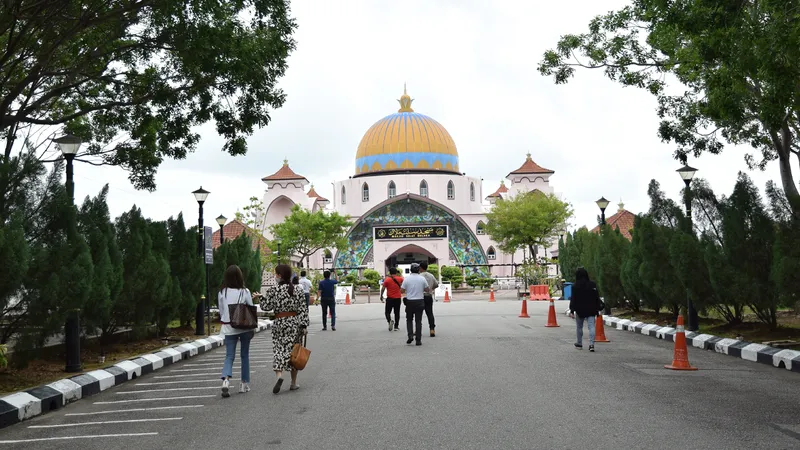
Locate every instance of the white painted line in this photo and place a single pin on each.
(157, 399)
(260, 361)
(115, 411)
(78, 437)
(206, 368)
(167, 390)
(218, 380)
(64, 425)
(196, 375)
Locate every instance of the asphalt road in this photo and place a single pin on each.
(488, 380)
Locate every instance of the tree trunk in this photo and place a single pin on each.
(785, 167)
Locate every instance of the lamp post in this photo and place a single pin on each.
(221, 222)
(69, 146)
(200, 195)
(278, 240)
(687, 174)
(602, 204)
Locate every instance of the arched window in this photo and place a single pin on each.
(328, 256)
(479, 228)
(423, 188)
(392, 189)
(491, 254)
(472, 192)
(365, 193)
(344, 196)
(451, 190)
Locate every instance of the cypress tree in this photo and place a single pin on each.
(186, 266)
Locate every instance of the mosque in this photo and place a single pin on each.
(408, 201)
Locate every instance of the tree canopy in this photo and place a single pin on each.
(133, 78)
(738, 62)
(304, 232)
(526, 220)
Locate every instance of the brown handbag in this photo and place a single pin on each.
(300, 354)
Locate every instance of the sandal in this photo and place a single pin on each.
(277, 387)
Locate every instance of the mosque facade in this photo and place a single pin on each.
(408, 201)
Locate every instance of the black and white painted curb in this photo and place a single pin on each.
(40, 400)
(765, 354)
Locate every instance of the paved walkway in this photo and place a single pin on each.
(488, 380)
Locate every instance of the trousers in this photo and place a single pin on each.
(393, 304)
(429, 312)
(328, 302)
(414, 309)
(591, 321)
(230, 354)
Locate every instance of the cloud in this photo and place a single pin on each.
(471, 65)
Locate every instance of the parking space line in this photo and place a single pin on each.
(158, 383)
(195, 375)
(206, 368)
(217, 364)
(144, 391)
(157, 399)
(155, 408)
(105, 422)
(78, 437)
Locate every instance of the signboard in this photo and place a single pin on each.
(444, 287)
(342, 290)
(423, 232)
(209, 250)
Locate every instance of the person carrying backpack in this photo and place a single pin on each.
(391, 285)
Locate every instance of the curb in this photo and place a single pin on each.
(765, 354)
(23, 405)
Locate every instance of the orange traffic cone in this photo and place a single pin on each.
(600, 331)
(347, 298)
(551, 315)
(524, 312)
(491, 295)
(680, 360)
(446, 296)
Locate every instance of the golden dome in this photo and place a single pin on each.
(407, 142)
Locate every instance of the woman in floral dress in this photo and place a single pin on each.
(291, 321)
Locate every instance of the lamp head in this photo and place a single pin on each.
(201, 195)
(687, 173)
(221, 220)
(68, 144)
(602, 203)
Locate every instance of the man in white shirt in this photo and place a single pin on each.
(306, 284)
(415, 287)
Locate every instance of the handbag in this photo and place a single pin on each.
(242, 315)
(299, 357)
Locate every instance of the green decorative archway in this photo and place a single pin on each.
(412, 209)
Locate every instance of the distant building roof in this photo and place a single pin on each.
(530, 167)
(622, 220)
(313, 194)
(501, 190)
(234, 229)
(284, 173)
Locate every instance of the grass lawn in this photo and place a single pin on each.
(49, 365)
(751, 330)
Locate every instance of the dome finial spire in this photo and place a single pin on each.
(405, 101)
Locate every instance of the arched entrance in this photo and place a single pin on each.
(409, 254)
(448, 238)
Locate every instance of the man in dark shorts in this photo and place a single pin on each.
(391, 285)
(327, 299)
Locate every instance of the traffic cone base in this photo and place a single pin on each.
(446, 296)
(491, 296)
(347, 298)
(551, 316)
(680, 359)
(600, 331)
(524, 313)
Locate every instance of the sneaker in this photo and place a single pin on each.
(333, 328)
(419, 343)
(294, 387)
(591, 348)
(578, 346)
(244, 387)
(324, 328)
(277, 387)
(433, 333)
(410, 340)
(391, 325)
(396, 329)
(225, 388)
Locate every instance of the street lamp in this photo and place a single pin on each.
(278, 240)
(69, 146)
(602, 204)
(221, 222)
(687, 174)
(201, 195)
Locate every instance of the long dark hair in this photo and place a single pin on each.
(582, 277)
(233, 278)
(285, 272)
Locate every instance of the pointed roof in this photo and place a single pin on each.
(313, 194)
(284, 173)
(530, 167)
(234, 229)
(501, 190)
(622, 220)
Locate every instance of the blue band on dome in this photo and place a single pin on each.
(413, 157)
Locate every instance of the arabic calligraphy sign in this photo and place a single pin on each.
(424, 232)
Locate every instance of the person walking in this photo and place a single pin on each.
(584, 305)
(414, 286)
(327, 296)
(232, 291)
(306, 284)
(391, 285)
(291, 323)
(433, 283)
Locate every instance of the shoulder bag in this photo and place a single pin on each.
(242, 315)
(299, 356)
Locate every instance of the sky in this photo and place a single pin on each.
(469, 64)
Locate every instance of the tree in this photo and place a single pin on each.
(739, 63)
(373, 277)
(433, 269)
(135, 78)
(612, 252)
(528, 219)
(240, 252)
(453, 275)
(166, 290)
(186, 266)
(304, 232)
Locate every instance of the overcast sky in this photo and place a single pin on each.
(469, 64)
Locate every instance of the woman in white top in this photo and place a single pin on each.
(231, 292)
